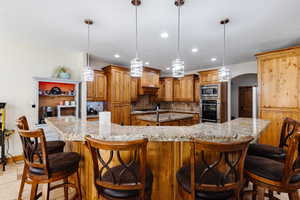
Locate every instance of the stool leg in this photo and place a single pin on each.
(46, 191)
(66, 189)
(33, 192)
(260, 193)
(294, 196)
(78, 190)
(24, 176)
(254, 193)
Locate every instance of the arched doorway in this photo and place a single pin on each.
(241, 95)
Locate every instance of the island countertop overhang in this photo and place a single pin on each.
(73, 129)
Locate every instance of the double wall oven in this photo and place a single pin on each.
(210, 101)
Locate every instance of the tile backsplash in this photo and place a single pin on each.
(148, 102)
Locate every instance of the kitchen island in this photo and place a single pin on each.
(168, 148)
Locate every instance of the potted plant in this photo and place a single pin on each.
(62, 72)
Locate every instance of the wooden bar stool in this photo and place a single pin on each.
(44, 168)
(215, 171)
(289, 127)
(51, 147)
(275, 175)
(129, 179)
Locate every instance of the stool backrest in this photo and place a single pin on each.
(289, 127)
(22, 123)
(126, 155)
(219, 166)
(34, 149)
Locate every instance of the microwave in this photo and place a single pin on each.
(210, 91)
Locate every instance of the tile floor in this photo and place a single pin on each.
(10, 181)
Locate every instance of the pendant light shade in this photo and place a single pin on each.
(178, 63)
(136, 64)
(224, 71)
(88, 72)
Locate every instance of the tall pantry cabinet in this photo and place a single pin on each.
(279, 89)
(118, 94)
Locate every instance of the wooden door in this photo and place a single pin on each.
(90, 90)
(125, 113)
(177, 90)
(197, 91)
(134, 89)
(161, 90)
(168, 96)
(245, 101)
(125, 88)
(188, 88)
(116, 86)
(100, 83)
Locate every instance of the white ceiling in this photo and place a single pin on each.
(256, 25)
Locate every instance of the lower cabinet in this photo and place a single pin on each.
(120, 113)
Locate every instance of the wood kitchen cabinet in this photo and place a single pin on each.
(209, 77)
(197, 90)
(279, 89)
(118, 94)
(133, 89)
(184, 89)
(97, 89)
(165, 92)
(149, 82)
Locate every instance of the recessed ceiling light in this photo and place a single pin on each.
(195, 50)
(147, 63)
(117, 56)
(164, 35)
(168, 68)
(213, 59)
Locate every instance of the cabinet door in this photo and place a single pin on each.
(169, 89)
(177, 90)
(125, 113)
(116, 86)
(188, 88)
(125, 88)
(134, 89)
(115, 113)
(100, 86)
(90, 90)
(161, 90)
(197, 91)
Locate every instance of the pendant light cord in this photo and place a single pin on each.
(224, 47)
(136, 33)
(178, 33)
(88, 50)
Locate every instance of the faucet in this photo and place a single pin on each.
(157, 113)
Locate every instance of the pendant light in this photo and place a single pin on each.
(224, 72)
(88, 72)
(136, 64)
(178, 63)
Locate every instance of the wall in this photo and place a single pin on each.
(243, 80)
(19, 62)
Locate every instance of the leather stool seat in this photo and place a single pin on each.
(53, 146)
(267, 168)
(126, 178)
(64, 161)
(267, 151)
(184, 179)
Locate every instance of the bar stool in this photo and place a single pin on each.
(288, 128)
(45, 169)
(130, 180)
(51, 147)
(215, 171)
(275, 175)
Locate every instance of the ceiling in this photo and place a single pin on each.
(255, 26)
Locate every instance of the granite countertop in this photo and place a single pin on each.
(137, 112)
(72, 129)
(164, 117)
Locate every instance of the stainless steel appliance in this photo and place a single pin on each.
(210, 90)
(210, 103)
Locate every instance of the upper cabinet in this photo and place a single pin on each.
(165, 92)
(197, 90)
(96, 89)
(184, 88)
(134, 89)
(119, 82)
(209, 77)
(149, 82)
(279, 89)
